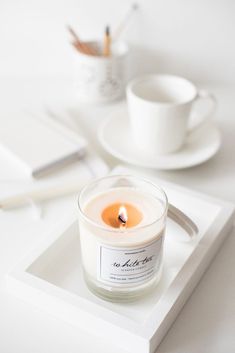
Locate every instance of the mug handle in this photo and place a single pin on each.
(204, 95)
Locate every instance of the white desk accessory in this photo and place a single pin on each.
(101, 79)
(67, 181)
(123, 23)
(38, 148)
(200, 145)
(50, 277)
(48, 192)
(162, 111)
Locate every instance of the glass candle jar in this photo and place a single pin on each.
(122, 225)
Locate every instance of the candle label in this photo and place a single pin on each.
(129, 265)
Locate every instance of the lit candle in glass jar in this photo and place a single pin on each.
(122, 223)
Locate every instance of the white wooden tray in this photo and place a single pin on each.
(51, 276)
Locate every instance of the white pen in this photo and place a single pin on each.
(42, 194)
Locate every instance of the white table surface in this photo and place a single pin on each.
(206, 323)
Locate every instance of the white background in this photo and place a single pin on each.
(194, 38)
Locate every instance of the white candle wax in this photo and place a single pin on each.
(107, 250)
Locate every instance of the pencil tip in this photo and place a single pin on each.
(135, 5)
(107, 30)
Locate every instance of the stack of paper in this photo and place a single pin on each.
(36, 147)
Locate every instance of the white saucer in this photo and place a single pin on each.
(114, 135)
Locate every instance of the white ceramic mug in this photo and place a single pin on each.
(160, 107)
(101, 79)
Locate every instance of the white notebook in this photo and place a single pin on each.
(38, 147)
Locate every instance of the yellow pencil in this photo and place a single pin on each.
(107, 42)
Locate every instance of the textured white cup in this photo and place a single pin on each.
(100, 79)
(159, 108)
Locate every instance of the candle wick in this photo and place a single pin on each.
(122, 216)
(121, 219)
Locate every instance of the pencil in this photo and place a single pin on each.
(107, 42)
(79, 45)
(125, 20)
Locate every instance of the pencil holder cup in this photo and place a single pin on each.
(101, 79)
